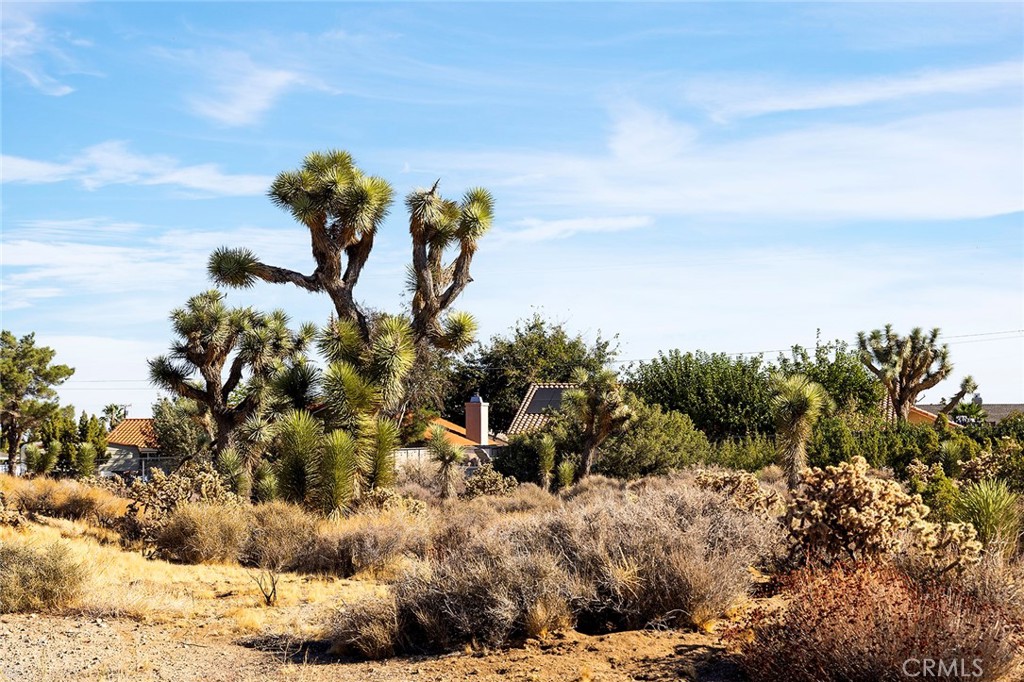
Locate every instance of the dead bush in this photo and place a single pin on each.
(203, 533)
(9, 516)
(528, 497)
(367, 629)
(455, 522)
(365, 542)
(67, 499)
(866, 624)
(676, 556)
(37, 579)
(280, 536)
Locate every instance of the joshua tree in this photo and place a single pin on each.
(448, 457)
(208, 334)
(906, 365)
(598, 405)
(968, 385)
(797, 404)
(342, 208)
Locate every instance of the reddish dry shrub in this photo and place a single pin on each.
(66, 499)
(862, 623)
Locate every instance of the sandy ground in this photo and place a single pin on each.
(45, 648)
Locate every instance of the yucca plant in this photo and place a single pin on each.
(994, 512)
(797, 404)
(448, 458)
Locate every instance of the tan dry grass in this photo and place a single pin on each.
(222, 598)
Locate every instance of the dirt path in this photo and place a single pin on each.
(49, 648)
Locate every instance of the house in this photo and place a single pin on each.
(538, 404)
(474, 438)
(994, 412)
(133, 450)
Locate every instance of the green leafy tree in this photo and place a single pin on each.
(85, 461)
(342, 208)
(91, 431)
(725, 397)
(797, 404)
(599, 408)
(448, 458)
(179, 428)
(906, 365)
(537, 350)
(27, 395)
(225, 360)
(59, 434)
(837, 368)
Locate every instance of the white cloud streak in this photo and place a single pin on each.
(113, 163)
(729, 98)
(235, 90)
(29, 49)
(956, 164)
(536, 230)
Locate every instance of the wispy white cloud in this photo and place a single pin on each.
(730, 98)
(954, 164)
(34, 52)
(235, 90)
(536, 230)
(113, 163)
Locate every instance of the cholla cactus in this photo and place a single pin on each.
(982, 468)
(742, 488)
(938, 548)
(487, 481)
(842, 512)
(153, 501)
(921, 472)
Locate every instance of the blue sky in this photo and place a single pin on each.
(730, 177)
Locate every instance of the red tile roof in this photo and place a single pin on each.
(456, 435)
(137, 432)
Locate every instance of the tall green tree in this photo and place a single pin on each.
(837, 368)
(726, 397)
(27, 395)
(598, 405)
(225, 359)
(342, 208)
(797, 403)
(181, 428)
(906, 365)
(536, 350)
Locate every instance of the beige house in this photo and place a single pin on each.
(133, 450)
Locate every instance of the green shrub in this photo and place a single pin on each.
(865, 624)
(750, 453)
(993, 510)
(203, 533)
(655, 442)
(37, 579)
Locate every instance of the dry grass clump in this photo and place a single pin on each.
(37, 579)
(489, 593)
(862, 624)
(371, 543)
(525, 498)
(280, 536)
(203, 533)
(64, 498)
(674, 555)
(665, 553)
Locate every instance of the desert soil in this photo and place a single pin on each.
(49, 648)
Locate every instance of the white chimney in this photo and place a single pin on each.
(476, 419)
